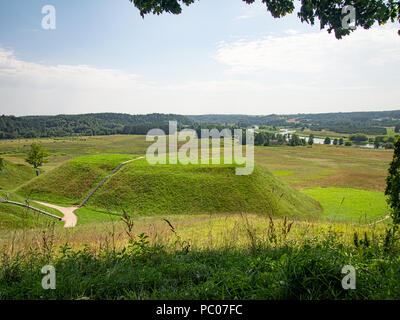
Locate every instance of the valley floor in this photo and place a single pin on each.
(205, 256)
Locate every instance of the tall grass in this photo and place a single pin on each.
(248, 258)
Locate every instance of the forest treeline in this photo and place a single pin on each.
(11, 127)
(370, 123)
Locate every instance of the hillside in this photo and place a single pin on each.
(14, 217)
(14, 175)
(168, 188)
(69, 182)
(200, 189)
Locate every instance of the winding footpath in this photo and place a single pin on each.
(376, 222)
(70, 217)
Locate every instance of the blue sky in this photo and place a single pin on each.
(219, 56)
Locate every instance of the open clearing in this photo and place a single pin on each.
(205, 248)
(326, 173)
(347, 204)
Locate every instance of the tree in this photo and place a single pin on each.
(280, 139)
(388, 145)
(397, 128)
(335, 142)
(36, 157)
(329, 13)
(348, 144)
(295, 140)
(311, 139)
(393, 184)
(377, 143)
(341, 142)
(2, 164)
(361, 138)
(327, 140)
(260, 139)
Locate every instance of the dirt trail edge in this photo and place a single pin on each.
(374, 223)
(70, 217)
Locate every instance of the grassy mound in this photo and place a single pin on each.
(13, 217)
(13, 175)
(72, 180)
(177, 189)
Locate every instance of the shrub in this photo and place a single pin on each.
(393, 183)
(358, 138)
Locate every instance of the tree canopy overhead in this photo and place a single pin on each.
(328, 12)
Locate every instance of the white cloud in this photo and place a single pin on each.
(311, 53)
(18, 72)
(33, 88)
(293, 73)
(292, 32)
(245, 17)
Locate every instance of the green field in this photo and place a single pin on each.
(347, 204)
(219, 241)
(139, 188)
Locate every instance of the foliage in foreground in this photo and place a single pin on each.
(272, 268)
(329, 13)
(393, 183)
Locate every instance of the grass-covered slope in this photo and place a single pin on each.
(14, 217)
(14, 175)
(72, 180)
(195, 189)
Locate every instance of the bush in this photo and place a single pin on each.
(393, 183)
(143, 271)
(358, 138)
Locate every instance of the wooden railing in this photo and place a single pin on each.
(29, 207)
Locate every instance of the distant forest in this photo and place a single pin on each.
(371, 123)
(11, 127)
(85, 125)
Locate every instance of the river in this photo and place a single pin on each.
(321, 141)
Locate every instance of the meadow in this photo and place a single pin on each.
(348, 182)
(202, 257)
(201, 232)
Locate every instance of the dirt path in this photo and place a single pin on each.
(69, 218)
(373, 223)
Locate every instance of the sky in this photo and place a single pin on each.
(217, 57)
